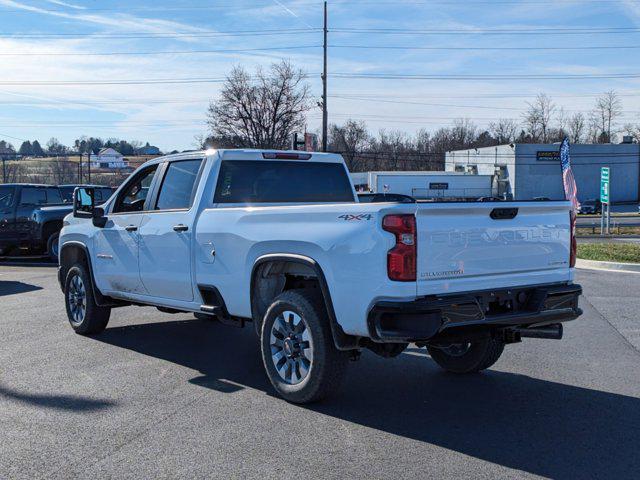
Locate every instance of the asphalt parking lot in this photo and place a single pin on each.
(169, 396)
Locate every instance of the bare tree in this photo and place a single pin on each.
(504, 130)
(593, 128)
(63, 171)
(348, 139)
(576, 127)
(608, 108)
(632, 130)
(464, 132)
(260, 111)
(537, 118)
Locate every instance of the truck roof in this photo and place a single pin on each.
(88, 185)
(28, 185)
(252, 154)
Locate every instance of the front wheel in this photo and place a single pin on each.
(467, 357)
(85, 316)
(298, 352)
(53, 247)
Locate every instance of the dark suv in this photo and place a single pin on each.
(31, 218)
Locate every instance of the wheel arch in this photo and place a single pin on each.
(49, 227)
(73, 252)
(295, 265)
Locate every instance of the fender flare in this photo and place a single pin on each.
(341, 340)
(101, 300)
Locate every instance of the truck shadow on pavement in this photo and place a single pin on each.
(12, 287)
(71, 403)
(533, 425)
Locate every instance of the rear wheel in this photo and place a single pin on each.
(467, 357)
(298, 352)
(85, 316)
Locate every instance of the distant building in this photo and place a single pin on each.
(108, 158)
(148, 150)
(526, 170)
(425, 185)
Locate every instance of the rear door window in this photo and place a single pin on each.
(33, 196)
(178, 185)
(282, 182)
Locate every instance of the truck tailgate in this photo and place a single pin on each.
(487, 245)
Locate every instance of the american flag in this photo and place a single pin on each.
(570, 189)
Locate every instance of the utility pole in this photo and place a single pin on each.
(324, 85)
(4, 170)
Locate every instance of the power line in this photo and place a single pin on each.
(485, 95)
(168, 52)
(370, 76)
(482, 107)
(203, 34)
(395, 76)
(303, 47)
(495, 31)
(394, 47)
(114, 82)
(252, 6)
(13, 138)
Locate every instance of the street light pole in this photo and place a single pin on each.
(324, 85)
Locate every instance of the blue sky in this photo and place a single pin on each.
(48, 48)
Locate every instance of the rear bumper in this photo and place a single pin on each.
(434, 317)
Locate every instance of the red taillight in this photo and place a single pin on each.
(574, 244)
(401, 259)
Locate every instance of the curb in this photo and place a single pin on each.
(613, 266)
(610, 237)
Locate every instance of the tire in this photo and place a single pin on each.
(85, 317)
(306, 366)
(52, 246)
(467, 358)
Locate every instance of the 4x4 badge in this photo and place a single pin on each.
(350, 217)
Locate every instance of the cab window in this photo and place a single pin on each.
(178, 185)
(134, 194)
(53, 195)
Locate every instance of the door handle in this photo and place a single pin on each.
(131, 228)
(180, 228)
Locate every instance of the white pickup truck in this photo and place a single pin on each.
(279, 239)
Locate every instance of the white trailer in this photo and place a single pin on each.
(426, 185)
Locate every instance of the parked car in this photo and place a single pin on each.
(385, 197)
(279, 239)
(31, 218)
(592, 206)
(102, 192)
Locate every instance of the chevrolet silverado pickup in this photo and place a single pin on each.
(279, 239)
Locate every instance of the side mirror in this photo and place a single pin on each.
(83, 202)
(98, 219)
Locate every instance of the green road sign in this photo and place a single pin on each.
(604, 184)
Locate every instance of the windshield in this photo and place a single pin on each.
(6, 196)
